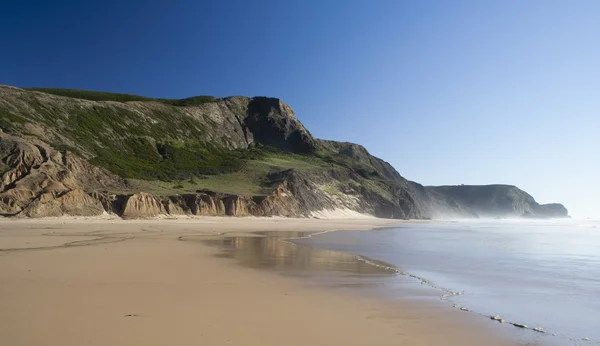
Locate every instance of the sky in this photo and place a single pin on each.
(448, 92)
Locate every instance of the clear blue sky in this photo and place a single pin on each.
(449, 92)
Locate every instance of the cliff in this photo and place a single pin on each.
(500, 201)
(71, 152)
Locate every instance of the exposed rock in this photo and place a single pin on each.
(78, 203)
(111, 203)
(272, 122)
(21, 157)
(235, 206)
(143, 205)
(208, 204)
(281, 202)
(73, 203)
(37, 174)
(497, 318)
(175, 205)
(45, 205)
(12, 201)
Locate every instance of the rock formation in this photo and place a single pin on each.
(70, 152)
(143, 205)
(73, 203)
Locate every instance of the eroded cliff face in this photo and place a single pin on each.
(73, 202)
(44, 183)
(71, 156)
(40, 181)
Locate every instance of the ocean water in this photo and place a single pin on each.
(542, 274)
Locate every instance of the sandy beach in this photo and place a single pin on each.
(115, 282)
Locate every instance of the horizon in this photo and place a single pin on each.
(448, 94)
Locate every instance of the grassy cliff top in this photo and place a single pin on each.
(115, 97)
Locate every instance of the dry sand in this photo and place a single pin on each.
(82, 282)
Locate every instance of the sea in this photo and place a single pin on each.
(539, 275)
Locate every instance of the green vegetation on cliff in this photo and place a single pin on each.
(106, 96)
(57, 140)
(171, 141)
(165, 144)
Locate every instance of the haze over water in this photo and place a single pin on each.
(539, 273)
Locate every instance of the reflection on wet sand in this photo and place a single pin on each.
(271, 250)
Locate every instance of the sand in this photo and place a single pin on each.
(81, 282)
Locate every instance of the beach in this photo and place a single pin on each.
(69, 281)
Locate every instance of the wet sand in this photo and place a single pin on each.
(157, 282)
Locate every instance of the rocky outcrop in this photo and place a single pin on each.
(281, 202)
(41, 181)
(273, 123)
(13, 201)
(45, 205)
(142, 205)
(72, 203)
(22, 158)
(112, 203)
(174, 208)
(236, 205)
(205, 203)
(79, 203)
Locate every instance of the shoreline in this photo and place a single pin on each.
(370, 261)
(149, 288)
(444, 294)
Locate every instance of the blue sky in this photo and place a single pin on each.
(449, 92)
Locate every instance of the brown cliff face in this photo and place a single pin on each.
(14, 200)
(281, 202)
(173, 208)
(72, 203)
(142, 205)
(36, 174)
(204, 204)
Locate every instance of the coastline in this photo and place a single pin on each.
(415, 287)
(73, 281)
